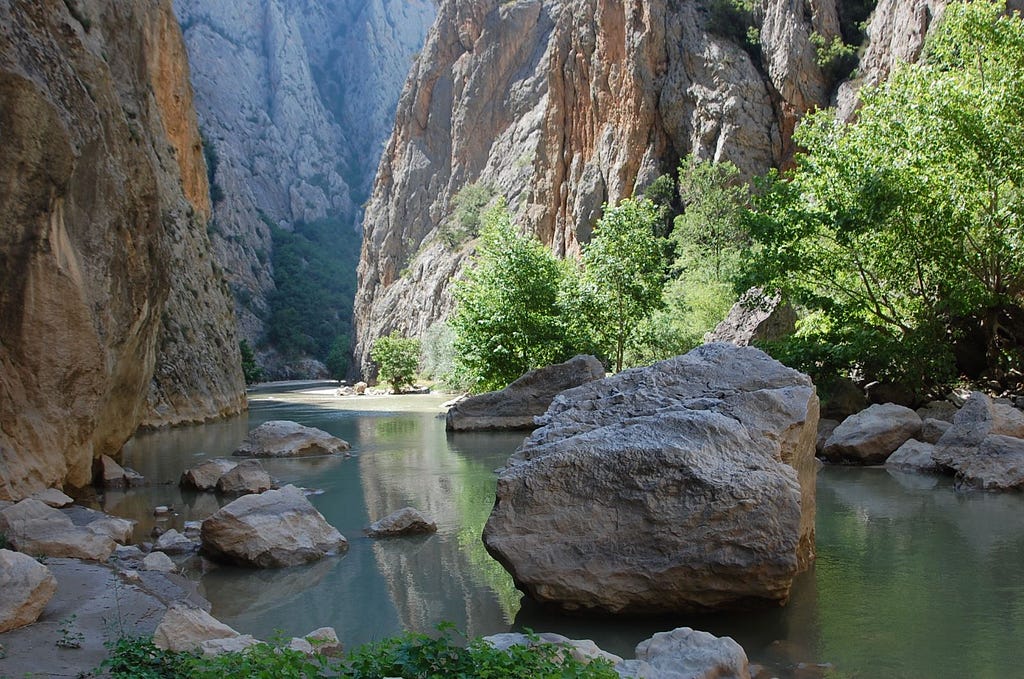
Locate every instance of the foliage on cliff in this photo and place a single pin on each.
(902, 233)
(314, 271)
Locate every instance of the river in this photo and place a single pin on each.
(912, 578)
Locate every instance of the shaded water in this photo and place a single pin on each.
(912, 579)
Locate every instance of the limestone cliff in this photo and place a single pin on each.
(295, 102)
(111, 312)
(563, 106)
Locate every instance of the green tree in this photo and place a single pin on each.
(904, 230)
(250, 369)
(397, 358)
(506, 318)
(337, 359)
(622, 277)
(710, 233)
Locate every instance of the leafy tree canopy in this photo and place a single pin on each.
(903, 230)
(507, 320)
(397, 358)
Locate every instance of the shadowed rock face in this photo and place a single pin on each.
(111, 310)
(685, 486)
(563, 106)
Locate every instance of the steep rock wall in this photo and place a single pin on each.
(103, 200)
(296, 102)
(563, 106)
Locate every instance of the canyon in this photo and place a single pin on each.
(562, 107)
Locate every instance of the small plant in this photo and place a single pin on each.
(836, 59)
(138, 658)
(468, 206)
(3, 541)
(397, 358)
(69, 636)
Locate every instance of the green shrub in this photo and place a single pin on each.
(467, 209)
(397, 358)
(250, 370)
(417, 655)
(408, 655)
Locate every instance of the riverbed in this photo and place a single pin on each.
(912, 578)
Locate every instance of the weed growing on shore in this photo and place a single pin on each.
(407, 655)
(70, 637)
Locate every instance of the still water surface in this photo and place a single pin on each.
(912, 579)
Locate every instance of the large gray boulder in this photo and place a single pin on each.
(282, 438)
(271, 530)
(755, 317)
(872, 435)
(684, 486)
(516, 406)
(36, 528)
(26, 586)
(984, 446)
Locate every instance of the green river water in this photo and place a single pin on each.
(912, 579)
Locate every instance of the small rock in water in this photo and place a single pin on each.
(406, 521)
(161, 510)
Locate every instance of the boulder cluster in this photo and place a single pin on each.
(981, 444)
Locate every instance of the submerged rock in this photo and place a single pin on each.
(204, 477)
(915, 456)
(871, 436)
(274, 529)
(26, 586)
(247, 477)
(516, 406)
(684, 486)
(406, 521)
(282, 438)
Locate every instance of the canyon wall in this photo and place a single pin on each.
(564, 106)
(112, 312)
(295, 102)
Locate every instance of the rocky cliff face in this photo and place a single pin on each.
(295, 103)
(111, 312)
(563, 106)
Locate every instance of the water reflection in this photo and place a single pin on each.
(912, 578)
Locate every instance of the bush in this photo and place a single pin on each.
(397, 358)
(250, 370)
(407, 655)
(468, 206)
